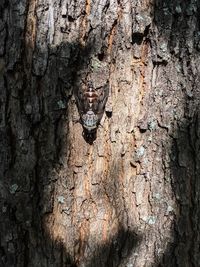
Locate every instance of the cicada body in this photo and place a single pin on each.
(91, 104)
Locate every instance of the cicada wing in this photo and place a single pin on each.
(102, 101)
(80, 101)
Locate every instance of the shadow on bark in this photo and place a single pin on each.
(173, 19)
(116, 251)
(110, 254)
(184, 168)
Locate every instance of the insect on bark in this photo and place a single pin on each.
(91, 104)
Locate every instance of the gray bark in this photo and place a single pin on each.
(132, 197)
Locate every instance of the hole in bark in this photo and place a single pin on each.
(109, 114)
(70, 18)
(101, 56)
(142, 130)
(64, 16)
(137, 38)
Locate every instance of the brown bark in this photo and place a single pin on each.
(132, 197)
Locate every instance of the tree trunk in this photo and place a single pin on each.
(131, 198)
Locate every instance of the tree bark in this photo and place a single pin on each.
(131, 198)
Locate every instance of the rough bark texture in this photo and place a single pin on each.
(132, 198)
